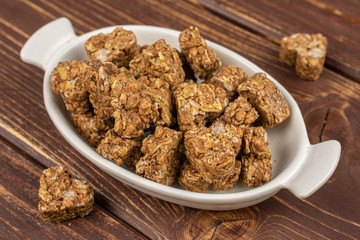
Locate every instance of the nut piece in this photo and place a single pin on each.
(92, 128)
(159, 60)
(67, 80)
(100, 78)
(120, 150)
(229, 78)
(266, 98)
(307, 52)
(256, 158)
(118, 47)
(140, 104)
(197, 104)
(160, 162)
(240, 113)
(212, 151)
(62, 197)
(199, 55)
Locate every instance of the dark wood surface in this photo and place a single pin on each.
(30, 143)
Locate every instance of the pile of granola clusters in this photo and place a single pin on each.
(170, 115)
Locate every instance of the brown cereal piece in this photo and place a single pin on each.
(256, 157)
(240, 113)
(212, 151)
(141, 104)
(307, 52)
(255, 141)
(197, 104)
(191, 179)
(118, 47)
(231, 181)
(159, 60)
(92, 128)
(62, 197)
(229, 78)
(255, 170)
(128, 124)
(120, 150)
(199, 55)
(160, 162)
(100, 78)
(66, 80)
(266, 98)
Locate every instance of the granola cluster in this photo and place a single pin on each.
(198, 104)
(198, 54)
(266, 98)
(68, 81)
(159, 60)
(229, 78)
(306, 52)
(118, 47)
(62, 197)
(136, 107)
(160, 162)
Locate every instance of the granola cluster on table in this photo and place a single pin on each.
(170, 115)
(306, 52)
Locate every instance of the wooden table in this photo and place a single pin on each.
(30, 143)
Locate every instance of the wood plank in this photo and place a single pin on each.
(19, 183)
(24, 123)
(291, 17)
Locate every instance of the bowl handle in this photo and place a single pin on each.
(41, 46)
(319, 165)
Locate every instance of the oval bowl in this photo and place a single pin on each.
(297, 165)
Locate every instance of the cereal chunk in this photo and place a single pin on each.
(99, 83)
(255, 140)
(256, 158)
(92, 128)
(212, 151)
(266, 98)
(160, 162)
(197, 104)
(229, 78)
(199, 55)
(118, 47)
(255, 171)
(231, 181)
(120, 150)
(191, 179)
(240, 113)
(62, 197)
(141, 104)
(307, 52)
(159, 60)
(67, 80)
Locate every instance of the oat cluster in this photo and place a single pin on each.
(306, 52)
(172, 116)
(63, 197)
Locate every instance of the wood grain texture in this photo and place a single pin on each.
(330, 108)
(276, 19)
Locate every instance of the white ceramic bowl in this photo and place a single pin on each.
(297, 165)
